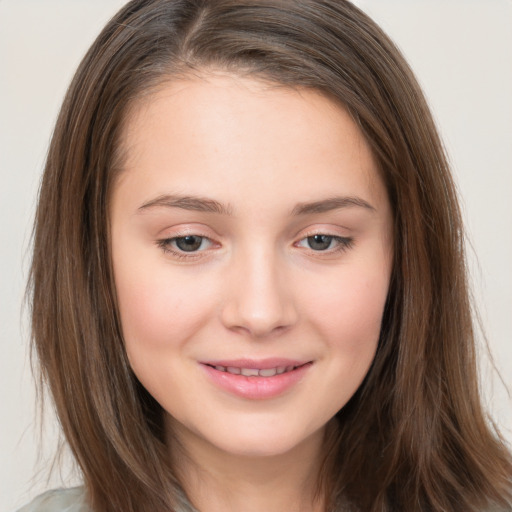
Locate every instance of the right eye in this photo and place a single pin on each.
(181, 245)
(191, 243)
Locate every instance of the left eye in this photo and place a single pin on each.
(324, 242)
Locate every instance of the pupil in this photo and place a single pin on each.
(319, 242)
(189, 243)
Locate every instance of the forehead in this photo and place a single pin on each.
(221, 128)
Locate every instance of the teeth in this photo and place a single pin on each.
(254, 372)
(249, 372)
(270, 372)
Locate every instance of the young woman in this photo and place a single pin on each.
(257, 295)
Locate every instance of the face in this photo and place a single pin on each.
(251, 246)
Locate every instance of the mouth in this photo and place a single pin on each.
(257, 380)
(257, 372)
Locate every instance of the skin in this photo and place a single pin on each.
(257, 287)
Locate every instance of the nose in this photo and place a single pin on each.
(260, 300)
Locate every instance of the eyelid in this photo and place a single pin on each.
(184, 230)
(344, 243)
(165, 242)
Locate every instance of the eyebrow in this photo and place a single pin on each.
(204, 204)
(193, 203)
(332, 203)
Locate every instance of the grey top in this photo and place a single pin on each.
(73, 500)
(59, 500)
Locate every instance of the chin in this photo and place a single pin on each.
(263, 442)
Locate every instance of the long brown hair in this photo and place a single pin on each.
(414, 436)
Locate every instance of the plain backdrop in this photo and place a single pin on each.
(461, 51)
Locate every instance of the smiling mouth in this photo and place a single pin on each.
(257, 379)
(255, 372)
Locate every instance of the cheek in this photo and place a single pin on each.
(362, 303)
(159, 309)
(349, 310)
(356, 300)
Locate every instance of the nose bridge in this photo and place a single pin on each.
(260, 299)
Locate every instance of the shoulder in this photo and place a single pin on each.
(59, 500)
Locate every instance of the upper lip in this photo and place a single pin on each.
(257, 364)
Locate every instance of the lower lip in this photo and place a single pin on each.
(256, 388)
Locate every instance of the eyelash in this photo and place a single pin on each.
(342, 244)
(166, 245)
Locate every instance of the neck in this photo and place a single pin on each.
(217, 481)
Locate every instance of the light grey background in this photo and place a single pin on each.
(461, 51)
